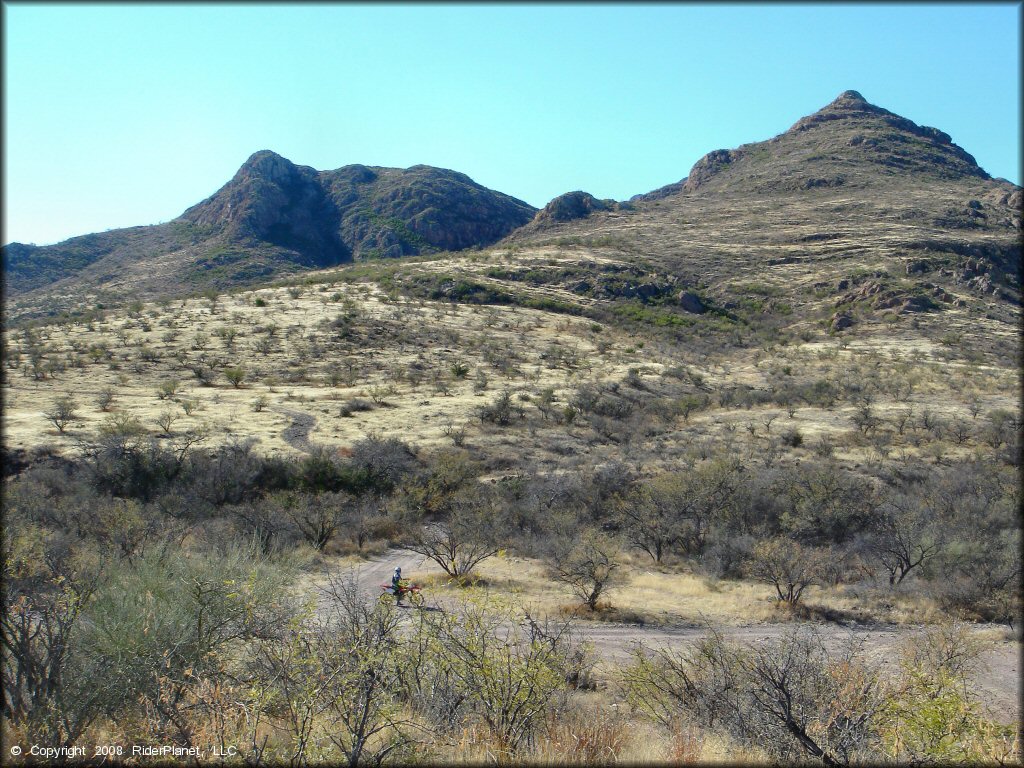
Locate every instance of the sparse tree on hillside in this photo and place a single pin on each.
(105, 398)
(236, 375)
(62, 412)
(502, 410)
(165, 420)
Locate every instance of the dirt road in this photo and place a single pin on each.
(297, 434)
(997, 685)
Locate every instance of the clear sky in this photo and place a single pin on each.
(121, 115)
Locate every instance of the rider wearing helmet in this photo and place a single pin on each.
(396, 584)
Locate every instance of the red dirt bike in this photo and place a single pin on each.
(410, 592)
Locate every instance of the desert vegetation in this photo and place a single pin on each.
(729, 473)
(192, 485)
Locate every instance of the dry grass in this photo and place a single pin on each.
(303, 378)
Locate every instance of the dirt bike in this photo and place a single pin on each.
(410, 592)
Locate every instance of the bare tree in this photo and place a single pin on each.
(588, 563)
(468, 536)
(316, 517)
(358, 654)
(791, 697)
(907, 534)
(787, 566)
(37, 627)
(62, 412)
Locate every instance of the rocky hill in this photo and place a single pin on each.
(853, 204)
(357, 211)
(271, 219)
(570, 207)
(849, 191)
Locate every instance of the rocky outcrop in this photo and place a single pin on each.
(274, 218)
(691, 302)
(660, 193)
(709, 166)
(359, 211)
(574, 205)
(270, 199)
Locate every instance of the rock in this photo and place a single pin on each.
(888, 302)
(572, 206)
(917, 266)
(690, 302)
(708, 166)
(841, 321)
(916, 304)
(648, 291)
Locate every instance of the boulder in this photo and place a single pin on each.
(648, 291)
(841, 321)
(690, 302)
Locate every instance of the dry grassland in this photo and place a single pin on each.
(300, 371)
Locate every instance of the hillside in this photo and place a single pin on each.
(853, 204)
(749, 427)
(271, 219)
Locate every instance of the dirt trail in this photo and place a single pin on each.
(997, 685)
(297, 435)
(378, 570)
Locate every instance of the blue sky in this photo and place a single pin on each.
(121, 115)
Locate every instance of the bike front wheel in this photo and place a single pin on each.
(416, 599)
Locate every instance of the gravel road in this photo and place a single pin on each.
(997, 686)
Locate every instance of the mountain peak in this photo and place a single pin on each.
(269, 165)
(848, 104)
(847, 142)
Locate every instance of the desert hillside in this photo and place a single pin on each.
(658, 469)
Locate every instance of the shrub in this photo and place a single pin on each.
(160, 626)
(502, 410)
(355, 405)
(787, 566)
(493, 667)
(793, 438)
(62, 412)
(235, 375)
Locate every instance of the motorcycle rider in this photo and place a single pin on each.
(396, 584)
